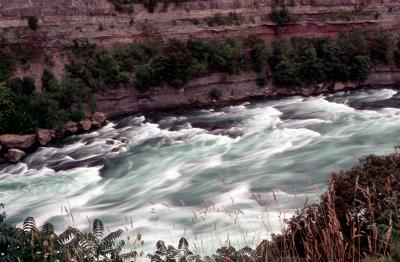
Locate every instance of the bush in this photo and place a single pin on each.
(300, 61)
(232, 18)
(49, 83)
(282, 16)
(33, 23)
(215, 94)
(33, 243)
(7, 65)
(262, 80)
(396, 57)
(23, 110)
(381, 47)
(258, 52)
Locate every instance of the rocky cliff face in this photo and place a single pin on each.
(61, 21)
(233, 88)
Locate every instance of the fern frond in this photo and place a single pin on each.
(67, 236)
(8, 241)
(48, 228)
(98, 228)
(29, 224)
(183, 243)
(128, 255)
(3, 216)
(110, 238)
(160, 245)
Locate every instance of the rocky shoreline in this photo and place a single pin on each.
(13, 147)
(233, 88)
(238, 88)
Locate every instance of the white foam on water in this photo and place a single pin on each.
(279, 143)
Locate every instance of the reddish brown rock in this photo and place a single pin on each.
(85, 125)
(71, 127)
(99, 118)
(339, 86)
(15, 155)
(17, 141)
(96, 124)
(44, 136)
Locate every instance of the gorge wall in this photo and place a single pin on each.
(63, 21)
(233, 89)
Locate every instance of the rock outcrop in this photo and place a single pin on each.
(99, 118)
(15, 144)
(71, 127)
(15, 155)
(43, 136)
(240, 87)
(17, 141)
(85, 125)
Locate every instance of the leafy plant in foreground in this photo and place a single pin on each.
(32, 243)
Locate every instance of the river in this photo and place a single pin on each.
(210, 174)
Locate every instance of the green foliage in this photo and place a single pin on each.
(22, 110)
(183, 253)
(32, 243)
(49, 82)
(174, 63)
(282, 16)
(300, 61)
(7, 109)
(258, 52)
(7, 65)
(232, 18)
(396, 57)
(33, 23)
(150, 5)
(215, 93)
(262, 80)
(381, 46)
(93, 103)
(172, 66)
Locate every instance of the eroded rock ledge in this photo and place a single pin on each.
(233, 88)
(13, 146)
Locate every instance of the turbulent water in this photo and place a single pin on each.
(207, 174)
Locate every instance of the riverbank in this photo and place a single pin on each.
(13, 147)
(233, 88)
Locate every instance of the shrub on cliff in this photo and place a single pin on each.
(7, 65)
(301, 61)
(33, 23)
(7, 109)
(258, 52)
(396, 57)
(282, 16)
(215, 93)
(22, 110)
(174, 63)
(232, 18)
(381, 44)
